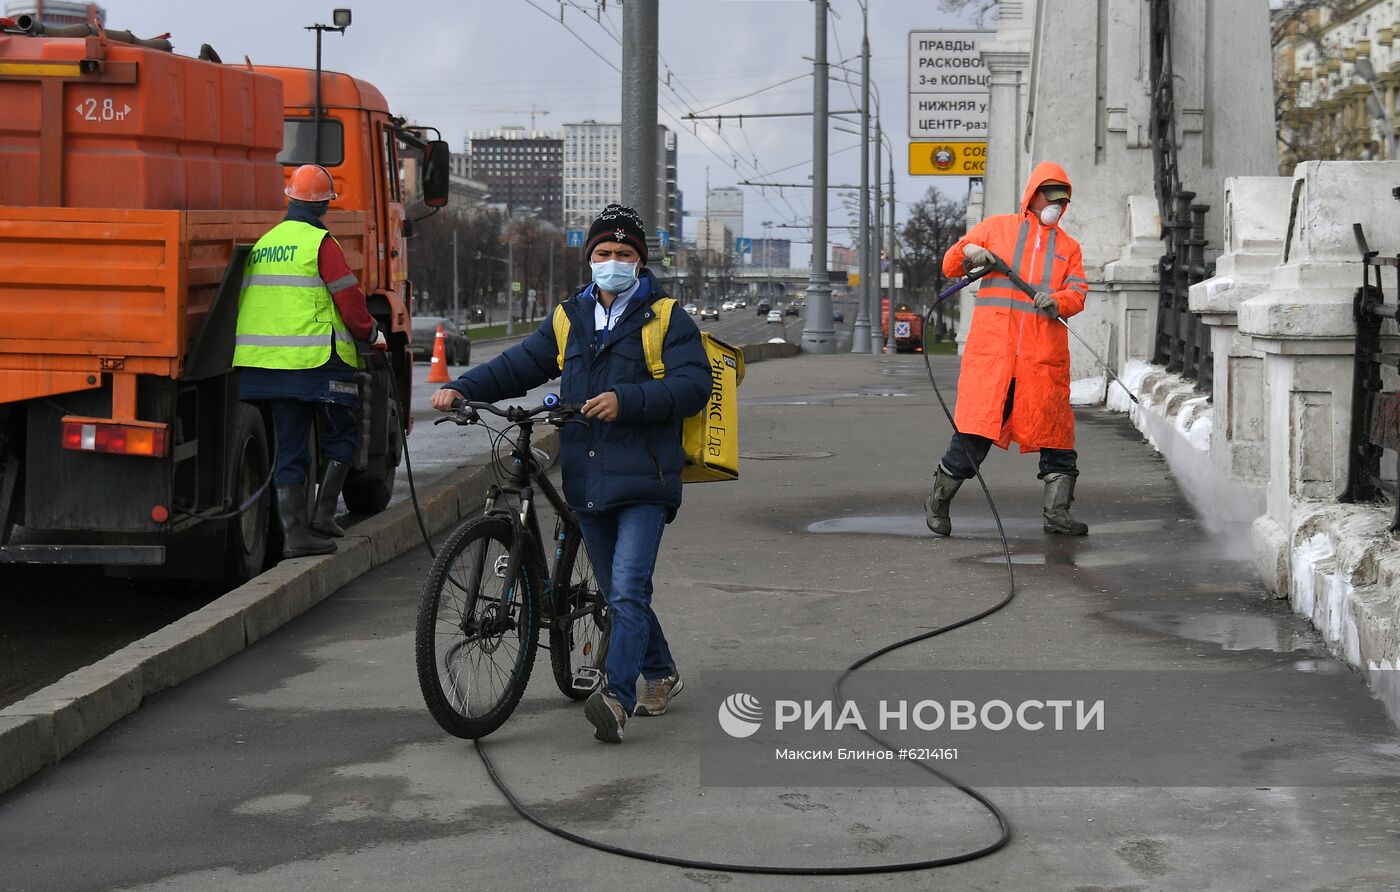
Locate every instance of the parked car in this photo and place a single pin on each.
(763, 307)
(458, 346)
(692, 309)
(710, 312)
(775, 316)
(791, 310)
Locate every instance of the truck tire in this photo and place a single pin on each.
(368, 491)
(246, 545)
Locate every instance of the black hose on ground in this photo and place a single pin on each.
(1003, 824)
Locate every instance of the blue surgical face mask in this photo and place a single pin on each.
(614, 276)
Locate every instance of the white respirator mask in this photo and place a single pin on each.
(1050, 214)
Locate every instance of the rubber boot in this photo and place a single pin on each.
(1059, 493)
(936, 505)
(328, 499)
(297, 538)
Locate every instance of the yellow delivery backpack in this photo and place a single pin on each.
(710, 436)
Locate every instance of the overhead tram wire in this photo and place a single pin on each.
(674, 117)
(611, 29)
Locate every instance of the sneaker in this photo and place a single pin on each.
(607, 716)
(657, 694)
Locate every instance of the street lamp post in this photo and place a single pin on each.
(341, 21)
(860, 331)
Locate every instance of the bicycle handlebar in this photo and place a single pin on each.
(467, 411)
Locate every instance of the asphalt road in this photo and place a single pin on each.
(308, 761)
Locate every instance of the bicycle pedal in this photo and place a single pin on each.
(587, 679)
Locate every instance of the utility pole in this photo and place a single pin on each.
(894, 240)
(510, 278)
(860, 332)
(455, 280)
(876, 312)
(639, 36)
(818, 335)
(549, 295)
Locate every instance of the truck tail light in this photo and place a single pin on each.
(90, 435)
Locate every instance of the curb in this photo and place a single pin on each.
(52, 722)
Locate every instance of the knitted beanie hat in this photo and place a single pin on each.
(617, 224)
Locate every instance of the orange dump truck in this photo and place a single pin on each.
(132, 184)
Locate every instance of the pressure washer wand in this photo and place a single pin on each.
(1000, 266)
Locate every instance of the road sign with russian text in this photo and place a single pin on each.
(947, 85)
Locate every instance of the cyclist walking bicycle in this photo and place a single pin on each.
(622, 467)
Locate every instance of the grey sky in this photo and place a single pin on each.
(455, 64)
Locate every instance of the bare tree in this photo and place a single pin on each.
(980, 11)
(935, 222)
(1312, 124)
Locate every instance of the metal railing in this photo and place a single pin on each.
(1375, 414)
(1183, 340)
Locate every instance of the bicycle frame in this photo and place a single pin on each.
(526, 476)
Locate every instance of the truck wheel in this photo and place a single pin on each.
(368, 491)
(247, 535)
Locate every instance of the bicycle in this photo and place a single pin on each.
(491, 589)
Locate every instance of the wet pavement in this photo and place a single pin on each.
(309, 761)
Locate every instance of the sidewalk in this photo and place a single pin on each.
(309, 761)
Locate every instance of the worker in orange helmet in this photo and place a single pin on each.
(1014, 383)
(300, 313)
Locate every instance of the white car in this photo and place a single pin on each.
(727, 306)
(775, 316)
(692, 309)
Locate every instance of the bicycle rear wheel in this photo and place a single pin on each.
(475, 639)
(578, 645)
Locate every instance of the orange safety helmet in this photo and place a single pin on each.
(311, 182)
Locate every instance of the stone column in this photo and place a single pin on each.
(1006, 176)
(1131, 283)
(1303, 327)
(1255, 215)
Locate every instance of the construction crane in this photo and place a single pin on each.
(531, 111)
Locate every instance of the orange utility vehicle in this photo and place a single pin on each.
(908, 327)
(132, 184)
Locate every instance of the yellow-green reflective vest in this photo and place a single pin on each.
(286, 318)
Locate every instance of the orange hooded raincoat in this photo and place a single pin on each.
(1010, 339)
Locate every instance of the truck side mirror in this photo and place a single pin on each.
(435, 173)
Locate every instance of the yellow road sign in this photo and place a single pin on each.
(852, 278)
(948, 159)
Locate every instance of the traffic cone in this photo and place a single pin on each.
(438, 373)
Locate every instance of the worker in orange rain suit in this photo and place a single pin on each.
(1014, 383)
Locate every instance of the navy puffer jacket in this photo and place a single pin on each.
(638, 458)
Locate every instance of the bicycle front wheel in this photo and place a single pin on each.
(475, 640)
(578, 636)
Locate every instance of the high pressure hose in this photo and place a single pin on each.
(1003, 824)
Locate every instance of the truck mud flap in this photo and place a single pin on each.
(83, 554)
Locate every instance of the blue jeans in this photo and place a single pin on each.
(622, 544)
(966, 452)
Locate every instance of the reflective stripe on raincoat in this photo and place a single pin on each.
(1010, 338)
